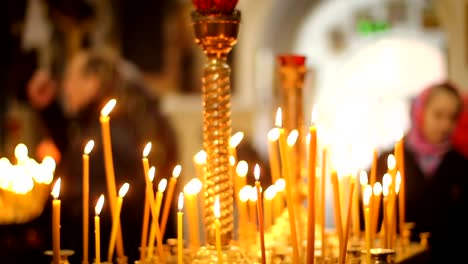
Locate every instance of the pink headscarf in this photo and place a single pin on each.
(428, 155)
(460, 137)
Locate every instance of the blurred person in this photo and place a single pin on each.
(90, 80)
(460, 137)
(436, 174)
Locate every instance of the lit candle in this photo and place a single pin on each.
(292, 157)
(342, 256)
(217, 214)
(159, 195)
(337, 207)
(97, 233)
(373, 172)
(88, 148)
(180, 240)
(170, 193)
(146, 212)
(377, 190)
(200, 166)
(109, 165)
(244, 195)
(253, 205)
(311, 193)
(154, 215)
(397, 191)
(289, 182)
(391, 164)
(273, 155)
(386, 181)
(323, 198)
(268, 197)
(280, 186)
(116, 221)
(240, 179)
(400, 151)
(56, 222)
(234, 141)
(191, 191)
(366, 199)
(363, 182)
(261, 225)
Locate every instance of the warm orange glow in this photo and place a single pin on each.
(107, 109)
(193, 187)
(89, 147)
(242, 168)
(279, 118)
(398, 178)
(386, 180)
(314, 116)
(200, 157)
(363, 179)
(151, 173)
(377, 189)
(180, 204)
(217, 208)
(253, 194)
(244, 193)
(273, 134)
(232, 161)
(385, 190)
(280, 185)
(99, 205)
(49, 164)
(56, 190)
(367, 195)
(21, 151)
(292, 137)
(270, 192)
(176, 171)
(162, 185)
(391, 162)
(236, 139)
(257, 172)
(124, 189)
(147, 149)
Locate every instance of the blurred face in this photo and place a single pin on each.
(440, 117)
(79, 88)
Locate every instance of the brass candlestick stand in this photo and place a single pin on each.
(216, 34)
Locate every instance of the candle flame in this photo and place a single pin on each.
(398, 178)
(391, 162)
(21, 152)
(147, 149)
(200, 157)
(244, 193)
(308, 138)
(280, 184)
(363, 180)
(253, 194)
(107, 109)
(257, 172)
(292, 137)
(176, 171)
(180, 204)
(162, 185)
(123, 190)
(193, 187)
(367, 195)
(273, 134)
(270, 192)
(385, 190)
(387, 179)
(232, 161)
(236, 139)
(56, 190)
(217, 208)
(279, 118)
(397, 188)
(99, 205)
(377, 189)
(314, 116)
(89, 147)
(49, 163)
(242, 168)
(151, 173)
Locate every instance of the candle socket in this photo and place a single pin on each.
(64, 255)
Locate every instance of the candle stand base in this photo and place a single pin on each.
(231, 254)
(64, 254)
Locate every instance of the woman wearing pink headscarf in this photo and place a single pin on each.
(436, 174)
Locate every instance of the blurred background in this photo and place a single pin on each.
(366, 59)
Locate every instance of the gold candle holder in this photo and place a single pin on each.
(216, 33)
